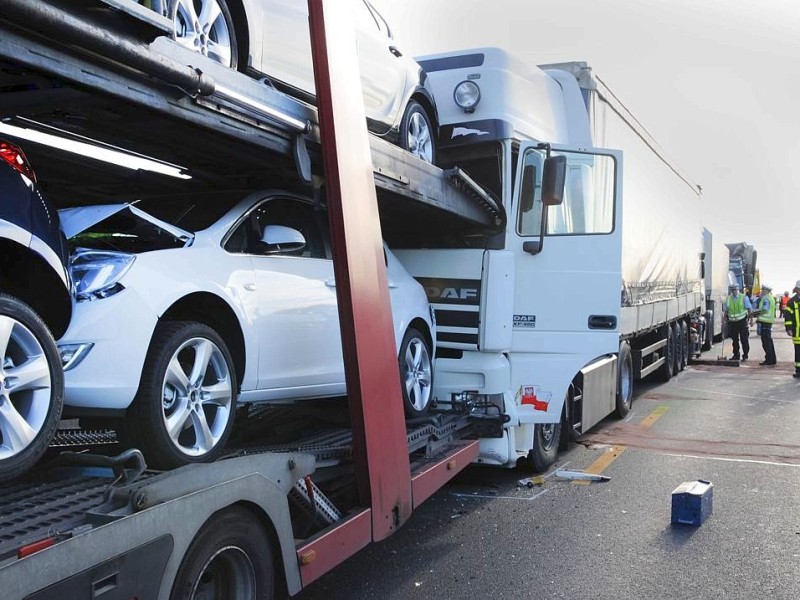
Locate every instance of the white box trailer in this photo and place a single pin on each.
(554, 316)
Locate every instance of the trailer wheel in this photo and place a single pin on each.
(665, 371)
(416, 373)
(416, 132)
(183, 412)
(31, 387)
(677, 345)
(546, 439)
(708, 337)
(215, 38)
(231, 557)
(685, 347)
(624, 380)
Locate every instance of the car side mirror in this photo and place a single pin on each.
(279, 238)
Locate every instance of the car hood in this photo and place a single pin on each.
(78, 219)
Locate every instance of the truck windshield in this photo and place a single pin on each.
(588, 206)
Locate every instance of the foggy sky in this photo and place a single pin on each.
(714, 82)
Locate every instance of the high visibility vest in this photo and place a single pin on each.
(736, 308)
(792, 316)
(766, 307)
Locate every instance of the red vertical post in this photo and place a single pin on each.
(371, 368)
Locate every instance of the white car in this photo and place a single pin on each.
(271, 37)
(187, 303)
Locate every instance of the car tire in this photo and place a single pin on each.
(543, 454)
(417, 134)
(31, 387)
(231, 557)
(184, 410)
(624, 381)
(221, 33)
(416, 372)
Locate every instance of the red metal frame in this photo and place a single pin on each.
(380, 447)
(321, 554)
(433, 476)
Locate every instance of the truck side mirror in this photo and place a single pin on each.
(553, 179)
(527, 188)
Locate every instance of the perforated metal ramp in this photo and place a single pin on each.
(32, 510)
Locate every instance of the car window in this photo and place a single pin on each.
(302, 216)
(191, 211)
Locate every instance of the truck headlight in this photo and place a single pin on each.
(467, 95)
(96, 274)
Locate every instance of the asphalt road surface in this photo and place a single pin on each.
(483, 536)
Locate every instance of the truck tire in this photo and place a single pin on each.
(217, 40)
(184, 410)
(708, 337)
(685, 346)
(416, 132)
(231, 557)
(546, 439)
(624, 381)
(416, 373)
(665, 371)
(31, 387)
(677, 345)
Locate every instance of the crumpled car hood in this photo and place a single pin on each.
(80, 218)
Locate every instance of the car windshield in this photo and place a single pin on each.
(192, 211)
(127, 231)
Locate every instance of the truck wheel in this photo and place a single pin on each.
(665, 371)
(214, 37)
(416, 132)
(685, 347)
(183, 412)
(416, 373)
(546, 438)
(677, 344)
(624, 380)
(708, 338)
(31, 387)
(231, 557)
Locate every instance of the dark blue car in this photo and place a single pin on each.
(35, 309)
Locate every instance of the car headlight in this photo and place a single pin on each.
(467, 95)
(96, 274)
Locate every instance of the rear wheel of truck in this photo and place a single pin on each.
(624, 380)
(685, 346)
(31, 387)
(184, 410)
(665, 371)
(231, 557)
(677, 345)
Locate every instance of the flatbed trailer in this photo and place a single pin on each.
(101, 72)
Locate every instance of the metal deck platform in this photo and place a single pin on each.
(89, 71)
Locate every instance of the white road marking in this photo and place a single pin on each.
(740, 460)
(490, 497)
(733, 395)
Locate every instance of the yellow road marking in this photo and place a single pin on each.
(654, 416)
(602, 463)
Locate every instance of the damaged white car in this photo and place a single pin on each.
(188, 304)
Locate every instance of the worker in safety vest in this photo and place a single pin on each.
(765, 315)
(791, 314)
(736, 310)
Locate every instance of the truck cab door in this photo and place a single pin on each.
(569, 280)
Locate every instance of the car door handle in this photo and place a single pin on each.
(602, 322)
(395, 51)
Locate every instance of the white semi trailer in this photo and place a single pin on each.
(554, 316)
